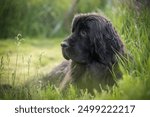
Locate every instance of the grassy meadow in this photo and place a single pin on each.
(25, 58)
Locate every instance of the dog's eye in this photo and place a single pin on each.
(83, 33)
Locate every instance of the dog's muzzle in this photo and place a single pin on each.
(65, 46)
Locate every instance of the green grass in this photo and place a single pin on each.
(35, 57)
(28, 58)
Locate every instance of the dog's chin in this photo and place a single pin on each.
(75, 58)
(65, 56)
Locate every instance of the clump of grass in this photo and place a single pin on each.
(1, 67)
(19, 66)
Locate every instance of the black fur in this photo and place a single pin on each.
(90, 52)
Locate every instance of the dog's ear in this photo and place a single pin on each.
(106, 42)
(112, 38)
(98, 44)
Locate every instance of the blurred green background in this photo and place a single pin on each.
(46, 18)
(30, 36)
(42, 17)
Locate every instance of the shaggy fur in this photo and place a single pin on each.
(90, 52)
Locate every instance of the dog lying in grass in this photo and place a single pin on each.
(91, 53)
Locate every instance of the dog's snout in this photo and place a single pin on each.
(64, 44)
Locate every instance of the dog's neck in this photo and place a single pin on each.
(94, 69)
(91, 75)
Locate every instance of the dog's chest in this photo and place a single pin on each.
(92, 77)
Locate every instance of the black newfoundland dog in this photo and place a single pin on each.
(91, 53)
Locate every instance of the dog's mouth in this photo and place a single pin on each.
(73, 53)
(64, 47)
(64, 53)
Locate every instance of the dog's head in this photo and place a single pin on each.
(93, 38)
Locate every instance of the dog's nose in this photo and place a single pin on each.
(64, 44)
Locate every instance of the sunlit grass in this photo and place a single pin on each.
(34, 56)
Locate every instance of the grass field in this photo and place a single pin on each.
(24, 58)
(32, 58)
(21, 60)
